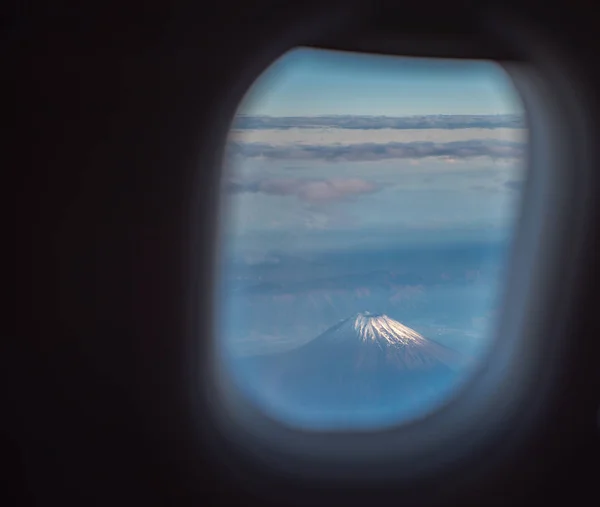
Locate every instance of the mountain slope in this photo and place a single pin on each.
(363, 365)
(373, 342)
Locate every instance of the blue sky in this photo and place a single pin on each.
(312, 82)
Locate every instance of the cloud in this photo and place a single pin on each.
(312, 191)
(494, 148)
(380, 122)
(325, 135)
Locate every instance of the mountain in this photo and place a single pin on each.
(368, 363)
(374, 342)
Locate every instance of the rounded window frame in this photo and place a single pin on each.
(514, 389)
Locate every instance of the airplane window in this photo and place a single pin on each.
(368, 206)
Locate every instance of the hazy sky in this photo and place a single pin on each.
(339, 181)
(312, 82)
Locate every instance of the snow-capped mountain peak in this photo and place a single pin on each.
(379, 327)
(375, 340)
(365, 364)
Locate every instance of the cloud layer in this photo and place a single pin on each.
(380, 122)
(494, 148)
(313, 191)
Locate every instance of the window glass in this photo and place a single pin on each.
(368, 206)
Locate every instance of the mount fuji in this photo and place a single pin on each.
(365, 364)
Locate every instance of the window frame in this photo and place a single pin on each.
(510, 395)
